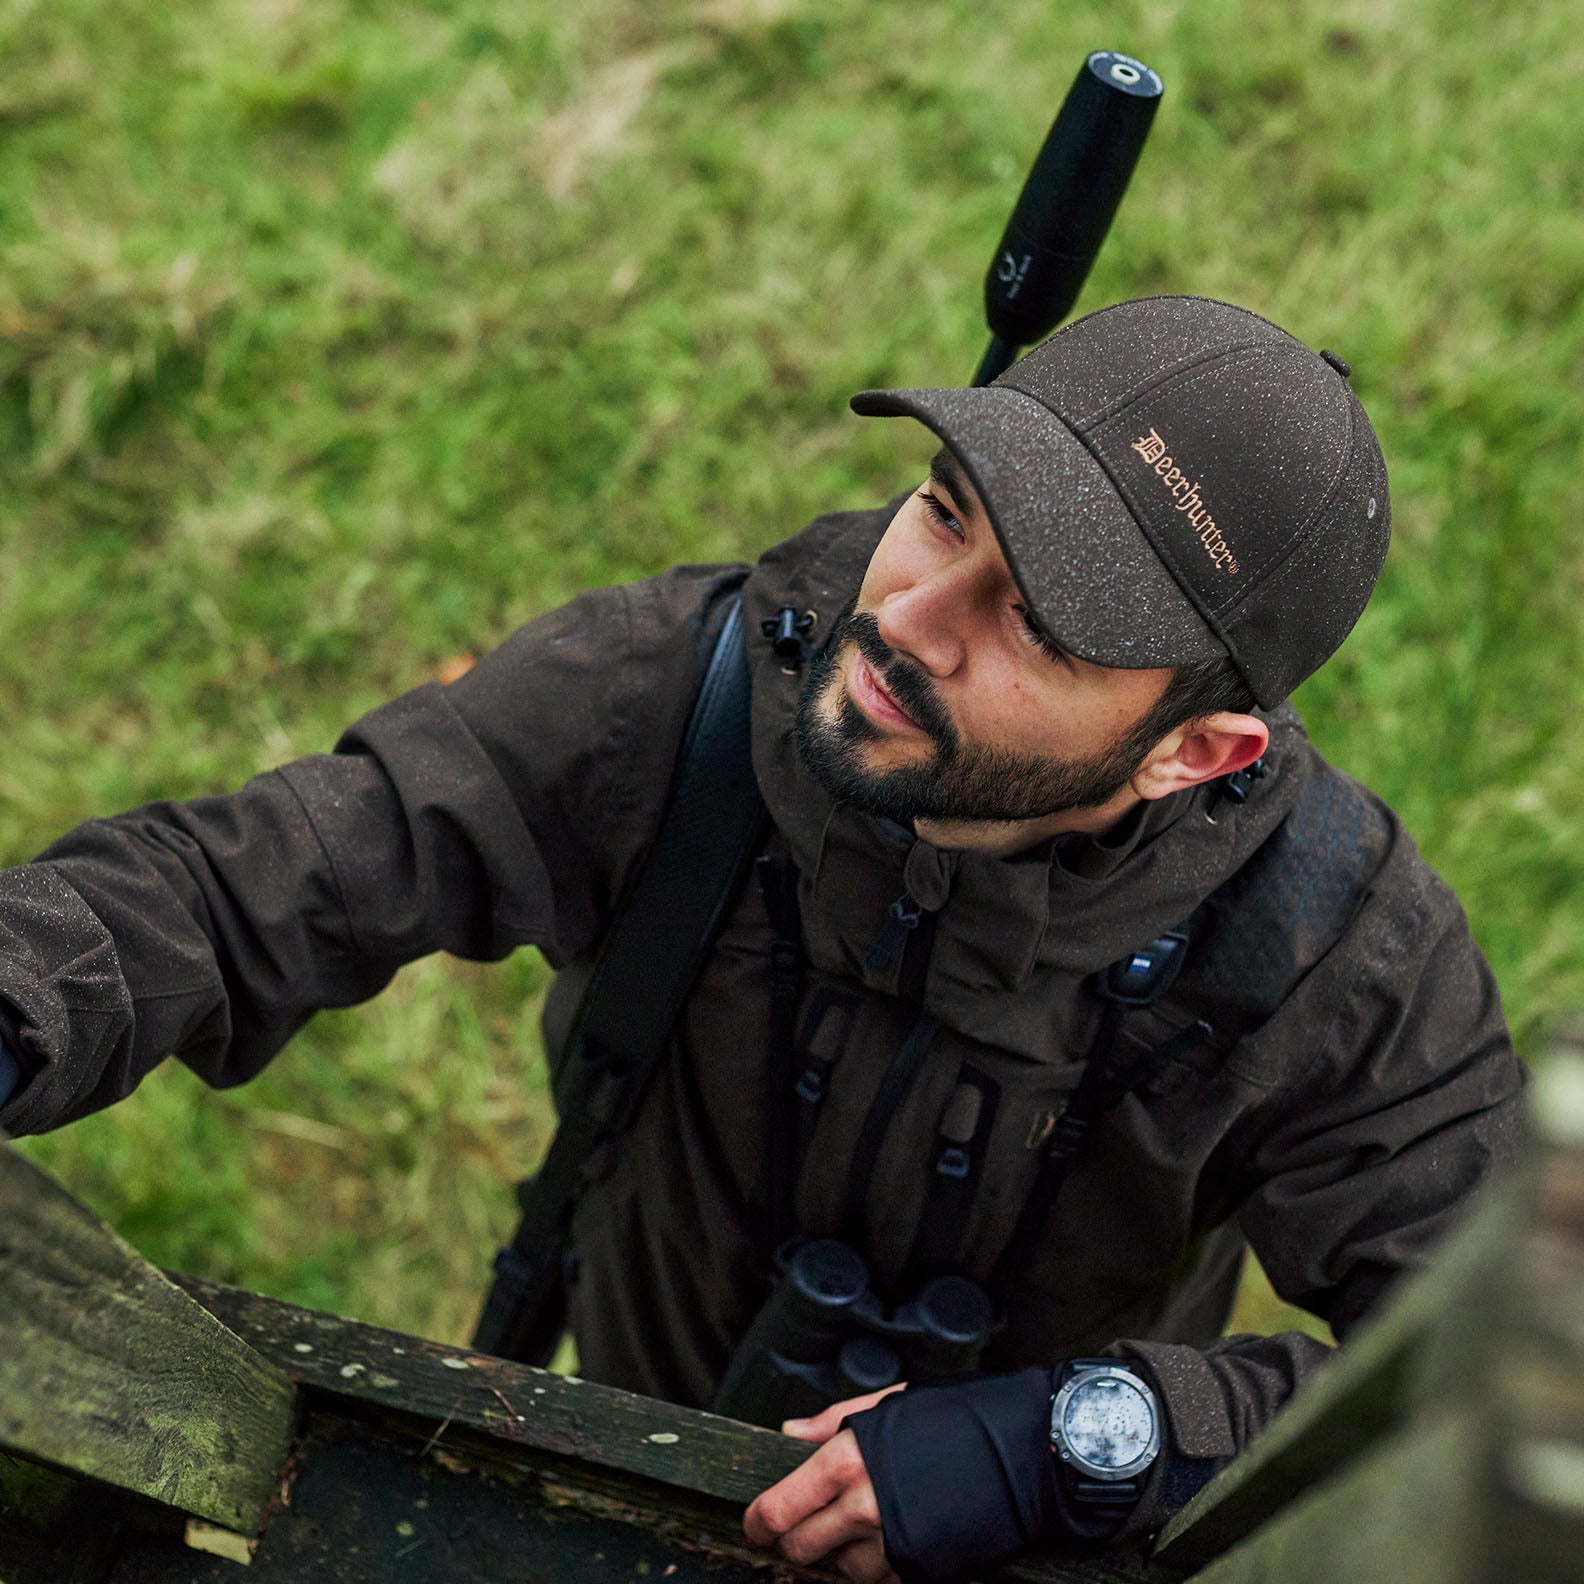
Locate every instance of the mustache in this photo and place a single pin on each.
(905, 680)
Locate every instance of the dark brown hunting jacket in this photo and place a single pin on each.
(1339, 1135)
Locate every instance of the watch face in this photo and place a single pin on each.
(1107, 1425)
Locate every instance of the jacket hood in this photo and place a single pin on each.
(1065, 908)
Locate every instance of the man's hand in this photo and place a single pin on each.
(826, 1508)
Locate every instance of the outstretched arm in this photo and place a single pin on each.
(500, 811)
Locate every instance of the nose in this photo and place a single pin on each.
(932, 618)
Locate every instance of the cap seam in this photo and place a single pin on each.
(1284, 552)
(1300, 538)
(1101, 414)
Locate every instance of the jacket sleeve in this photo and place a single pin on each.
(501, 811)
(1410, 1104)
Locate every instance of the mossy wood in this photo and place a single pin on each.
(599, 1448)
(1445, 1445)
(1401, 1513)
(514, 1405)
(110, 1370)
(1412, 1352)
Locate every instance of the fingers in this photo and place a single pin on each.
(851, 1518)
(826, 1423)
(819, 1507)
(864, 1562)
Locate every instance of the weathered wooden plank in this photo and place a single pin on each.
(1394, 1361)
(675, 1460)
(1412, 1511)
(109, 1370)
(514, 1403)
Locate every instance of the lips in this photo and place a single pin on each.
(872, 698)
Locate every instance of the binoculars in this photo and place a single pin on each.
(824, 1335)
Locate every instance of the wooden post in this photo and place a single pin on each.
(107, 1369)
(1362, 1395)
(1445, 1445)
(1536, 1383)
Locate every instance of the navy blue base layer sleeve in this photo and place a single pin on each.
(14, 1070)
(10, 1074)
(964, 1475)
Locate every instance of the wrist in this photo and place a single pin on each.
(962, 1474)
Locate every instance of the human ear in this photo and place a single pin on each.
(1201, 751)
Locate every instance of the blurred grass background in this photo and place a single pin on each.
(337, 339)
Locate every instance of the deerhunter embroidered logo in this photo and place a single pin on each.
(1186, 499)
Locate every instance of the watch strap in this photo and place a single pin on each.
(1103, 1493)
(1078, 1366)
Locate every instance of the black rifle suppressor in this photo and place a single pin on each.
(1066, 205)
(652, 954)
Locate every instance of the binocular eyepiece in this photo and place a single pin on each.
(824, 1335)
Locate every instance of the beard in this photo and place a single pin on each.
(958, 781)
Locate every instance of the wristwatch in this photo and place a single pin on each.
(1105, 1432)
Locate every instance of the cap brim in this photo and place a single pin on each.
(1076, 551)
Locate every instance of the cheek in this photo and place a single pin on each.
(1008, 709)
(907, 554)
(1019, 714)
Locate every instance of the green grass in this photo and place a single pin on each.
(337, 339)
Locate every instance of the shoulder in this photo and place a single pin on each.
(1333, 919)
(1359, 954)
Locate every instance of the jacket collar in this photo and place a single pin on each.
(1067, 907)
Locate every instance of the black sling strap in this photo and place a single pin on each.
(778, 882)
(652, 955)
(1111, 1072)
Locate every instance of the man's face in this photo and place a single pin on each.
(938, 697)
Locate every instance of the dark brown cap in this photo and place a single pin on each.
(1174, 479)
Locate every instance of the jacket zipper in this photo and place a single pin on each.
(902, 918)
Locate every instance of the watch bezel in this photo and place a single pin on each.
(1075, 1459)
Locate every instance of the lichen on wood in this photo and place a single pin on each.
(110, 1370)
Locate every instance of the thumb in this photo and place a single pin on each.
(827, 1422)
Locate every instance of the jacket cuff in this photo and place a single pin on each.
(1198, 1439)
(1197, 1414)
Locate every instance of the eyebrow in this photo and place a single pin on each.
(948, 472)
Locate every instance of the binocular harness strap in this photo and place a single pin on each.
(1111, 1072)
(778, 882)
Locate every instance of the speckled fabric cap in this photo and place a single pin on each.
(1173, 479)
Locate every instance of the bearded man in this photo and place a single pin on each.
(1091, 971)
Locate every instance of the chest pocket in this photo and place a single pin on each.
(923, 1147)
